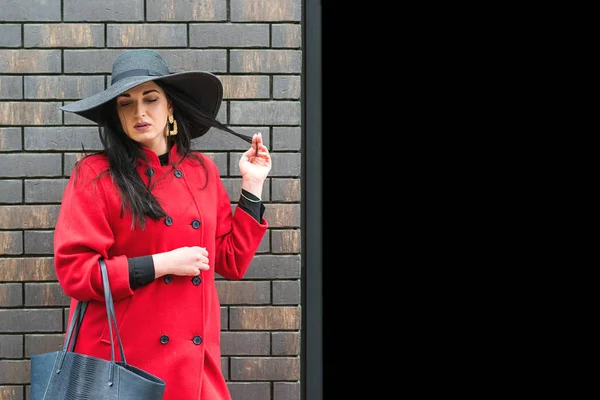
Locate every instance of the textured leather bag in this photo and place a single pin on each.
(66, 375)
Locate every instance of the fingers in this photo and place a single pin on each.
(248, 154)
(257, 150)
(257, 142)
(200, 250)
(203, 258)
(202, 264)
(204, 267)
(259, 146)
(200, 258)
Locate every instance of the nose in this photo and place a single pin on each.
(140, 109)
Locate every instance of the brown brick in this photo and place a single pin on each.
(273, 10)
(268, 61)
(11, 294)
(13, 372)
(45, 294)
(245, 87)
(38, 344)
(146, 35)
(29, 61)
(244, 292)
(265, 369)
(27, 269)
(31, 320)
(64, 35)
(285, 343)
(287, 190)
(283, 215)
(286, 241)
(265, 318)
(250, 390)
(11, 346)
(185, 10)
(28, 217)
(11, 393)
(287, 35)
(245, 343)
(286, 390)
(30, 113)
(11, 242)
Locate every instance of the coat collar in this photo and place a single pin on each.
(154, 161)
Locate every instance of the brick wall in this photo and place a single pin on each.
(56, 51)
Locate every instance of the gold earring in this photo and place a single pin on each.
(172, 129)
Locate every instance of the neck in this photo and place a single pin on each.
(159, 148)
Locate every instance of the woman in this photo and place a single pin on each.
(160, 217)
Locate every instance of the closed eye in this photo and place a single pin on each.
(128, 103)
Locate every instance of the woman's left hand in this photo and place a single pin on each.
(255, 164)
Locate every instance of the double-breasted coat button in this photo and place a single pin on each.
(169, 221)
(168, 279)
(164, 339)
(178, 173)
(197, 340)
(149, 172)
(196, 224)
(196, 280)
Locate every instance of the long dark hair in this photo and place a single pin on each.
(123, 153)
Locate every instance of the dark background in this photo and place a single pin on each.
(439, 211)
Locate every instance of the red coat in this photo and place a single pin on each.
(171, 327)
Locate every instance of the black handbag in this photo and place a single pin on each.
(66, 375)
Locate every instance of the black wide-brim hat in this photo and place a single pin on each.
(134, 67)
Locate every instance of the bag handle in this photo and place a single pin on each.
(71, 338)
(110, 313)
(83, 307)
(77, 318)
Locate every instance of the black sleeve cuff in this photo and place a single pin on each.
(141, 271)
(252, 205)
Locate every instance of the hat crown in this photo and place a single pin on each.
(140, 59)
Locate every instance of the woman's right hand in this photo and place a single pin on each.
(184, 261)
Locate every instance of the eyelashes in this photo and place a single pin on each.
(129, 102)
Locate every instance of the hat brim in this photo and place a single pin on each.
(202, 87)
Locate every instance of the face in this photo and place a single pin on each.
(143, 112)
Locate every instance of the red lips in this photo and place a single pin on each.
(140, 124)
